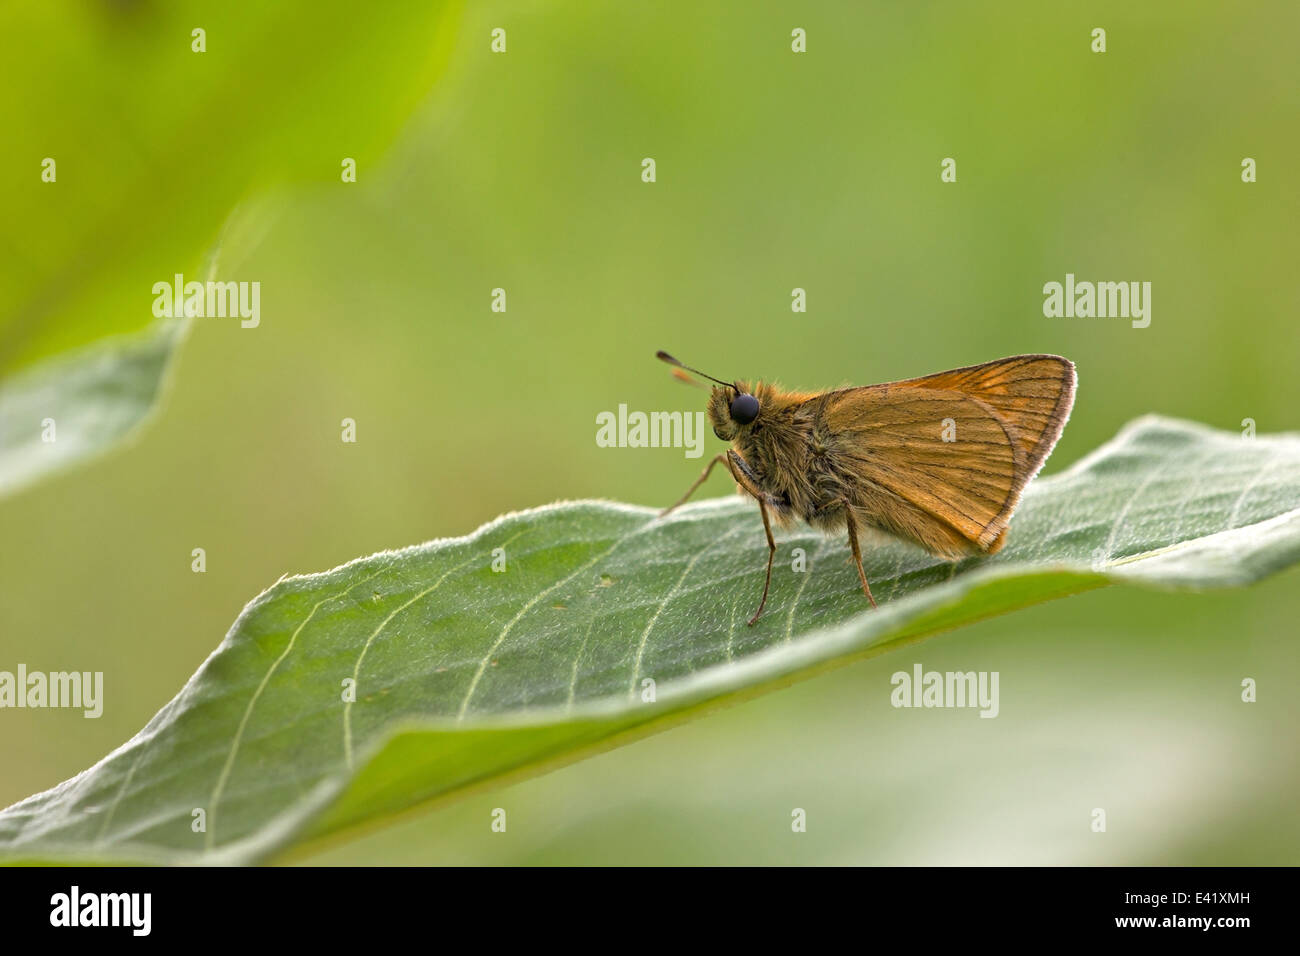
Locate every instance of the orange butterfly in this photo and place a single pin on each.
(940, 461)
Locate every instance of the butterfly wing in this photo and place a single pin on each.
(943, 459)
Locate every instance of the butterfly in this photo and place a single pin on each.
(940, 461)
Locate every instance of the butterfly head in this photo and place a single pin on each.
(732, 408)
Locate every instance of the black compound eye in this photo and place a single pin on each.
(744, 409)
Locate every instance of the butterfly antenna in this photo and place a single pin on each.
(683, 377)
(665, 357)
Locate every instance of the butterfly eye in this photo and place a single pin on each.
(744, 409)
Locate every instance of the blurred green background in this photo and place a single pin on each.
(775, 170)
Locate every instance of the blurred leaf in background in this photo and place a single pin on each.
(140, 127)
(64, 410)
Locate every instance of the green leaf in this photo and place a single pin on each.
(69, 409)
(466, 676)
(154, 144)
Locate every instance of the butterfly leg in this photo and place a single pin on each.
(744, 477)
(771, 553)
(698, 481)
(857, 551)
(747, 480)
